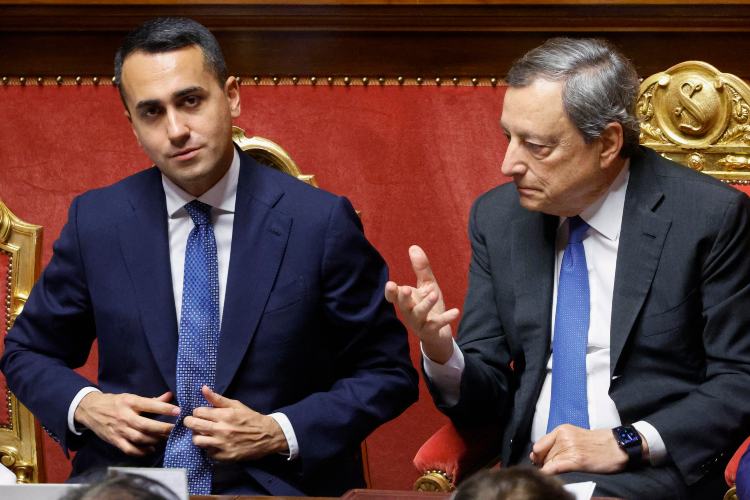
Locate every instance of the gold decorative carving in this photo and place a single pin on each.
(19, 439)
(271, 154)
(434, 480)
(696, 115)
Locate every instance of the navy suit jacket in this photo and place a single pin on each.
(680, 331)
(305, 330)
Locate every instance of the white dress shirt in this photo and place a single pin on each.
(221, 197)
(604, 218)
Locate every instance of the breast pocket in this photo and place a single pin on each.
(673, 319)
(286, 295)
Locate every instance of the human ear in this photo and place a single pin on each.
(611, 139)
(232, 91)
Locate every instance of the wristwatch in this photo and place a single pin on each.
(630, 441)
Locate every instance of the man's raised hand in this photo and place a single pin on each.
(423, 308)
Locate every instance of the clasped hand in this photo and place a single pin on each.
(229, 430)
(572, 449)
(423, 308)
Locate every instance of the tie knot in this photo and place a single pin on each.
(199, 212)
(577, 229)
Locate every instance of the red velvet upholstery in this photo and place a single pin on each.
(458, 452)
(730, 473)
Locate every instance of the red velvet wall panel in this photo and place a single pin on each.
(411, 159)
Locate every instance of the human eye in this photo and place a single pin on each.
(191, 101)
(150, 112)
(539, 150)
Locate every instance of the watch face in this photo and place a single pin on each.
(628, 436)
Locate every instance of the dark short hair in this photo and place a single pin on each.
(600, 85)
(513, 483)
(164, 34)
(122, 487)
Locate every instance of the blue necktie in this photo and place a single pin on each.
(569, 402)
(198, 344)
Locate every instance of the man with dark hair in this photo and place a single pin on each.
(511, 483)
(605, 324)
(239, 313)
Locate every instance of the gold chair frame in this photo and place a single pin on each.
(20, 438)
(271, 154)
(698, 116)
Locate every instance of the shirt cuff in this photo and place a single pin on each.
(78, 430)
(446, 378)
(288, 430)
(657, 450)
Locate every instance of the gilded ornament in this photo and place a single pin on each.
(313, 80)
(696, 161)
(365, 81)
(731, 162)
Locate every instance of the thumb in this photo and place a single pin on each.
(217, 400)
(421, 265)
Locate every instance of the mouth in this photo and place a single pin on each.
(185, 154)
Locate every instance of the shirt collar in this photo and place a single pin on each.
(605, 214)
(222, 195)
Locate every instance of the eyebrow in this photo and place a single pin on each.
(180, 93)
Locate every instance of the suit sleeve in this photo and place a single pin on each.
(484, 391)
(52, 336)
(374, 378)
(704, 425)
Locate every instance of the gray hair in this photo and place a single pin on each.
(600, 85)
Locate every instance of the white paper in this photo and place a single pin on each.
(582, 491)
(35, 491)
(6, 475)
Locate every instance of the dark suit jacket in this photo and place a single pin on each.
(680, 334)
(305, 331)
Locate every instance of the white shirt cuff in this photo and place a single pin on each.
(446, 378)
(657, 451)
(288, 430)
(74, 406)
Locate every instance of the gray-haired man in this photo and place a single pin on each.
(605, 325)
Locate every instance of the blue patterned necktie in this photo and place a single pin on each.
(569, 404)
(198, 344)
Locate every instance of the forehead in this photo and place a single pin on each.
(158, 75)
(536, 109)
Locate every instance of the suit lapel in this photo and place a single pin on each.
(642, 238)
(533, 265)
(145, 247)
(259, 239)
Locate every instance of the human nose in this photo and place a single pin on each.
(177, 129)
(512, 163)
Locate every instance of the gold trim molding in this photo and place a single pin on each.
(698, 116)
(331, 81)
(22, 242)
